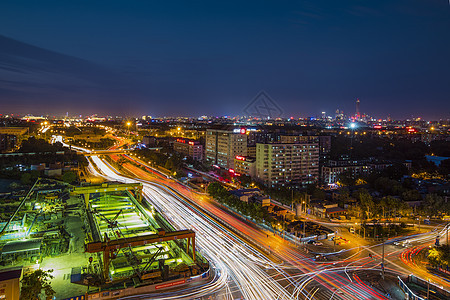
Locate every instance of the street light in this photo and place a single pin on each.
(128, 125)
(352, 126)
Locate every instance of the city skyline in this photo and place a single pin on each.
(213, 59)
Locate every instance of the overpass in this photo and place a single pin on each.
(86, 191)
(108, 152)
(114, 151)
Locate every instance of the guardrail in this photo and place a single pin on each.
(408, 291)
(424, 284)
(433, 286)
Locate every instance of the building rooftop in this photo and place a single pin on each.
(11, 273)
(22, 246)
(243, 192)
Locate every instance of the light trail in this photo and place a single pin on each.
(239, 265)
(229, 254)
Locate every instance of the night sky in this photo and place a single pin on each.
(195, 58)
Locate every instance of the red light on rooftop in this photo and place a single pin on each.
(243, 131)
(238, 157)
(377, 127)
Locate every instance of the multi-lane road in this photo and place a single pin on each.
(233, 246)
(243, 270)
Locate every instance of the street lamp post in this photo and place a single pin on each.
(334, 240)
(128, 126)
(352, 127)
(382, 261)
(304, 227)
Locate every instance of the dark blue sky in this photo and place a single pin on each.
(209, 57)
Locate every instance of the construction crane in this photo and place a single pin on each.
(144, 274)
(113, 225)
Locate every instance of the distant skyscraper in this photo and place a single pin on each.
(339, 114)
(358, 115)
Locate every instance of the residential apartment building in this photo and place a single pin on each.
(223, 145)
(7, 142)
(331, 172)
(324, 141)
(189, 148)
(295, 164)
(17, 131)
(245, 165)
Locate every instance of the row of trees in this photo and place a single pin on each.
(364, 146)
(369, 207)
(253, 210)
(11, 167)
(397, 149)
(103, 143)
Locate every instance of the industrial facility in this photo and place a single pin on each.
(103, 238)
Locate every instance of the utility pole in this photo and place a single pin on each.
(447, 233)
(304, 227)
(335, 238)
(292, 201)
(382, 261)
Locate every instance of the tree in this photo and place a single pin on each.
(319, 194)
(169, 165)
(366, 201)
(439, 256)
(33, 283)
(411, 195)
(344, 195)
(347, 178)
(433, 204)
(25, 178)
(444, 167)
(69, 177)
(245, 180)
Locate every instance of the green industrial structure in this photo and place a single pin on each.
(133, 241)
(102, 237)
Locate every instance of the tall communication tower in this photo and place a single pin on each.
(357, 109)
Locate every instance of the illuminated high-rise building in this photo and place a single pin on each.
(222, 146)
(280, 164)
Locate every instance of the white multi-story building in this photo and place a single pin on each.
(222, 146)
(189, 148)
(295, 164)
(245, 165)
